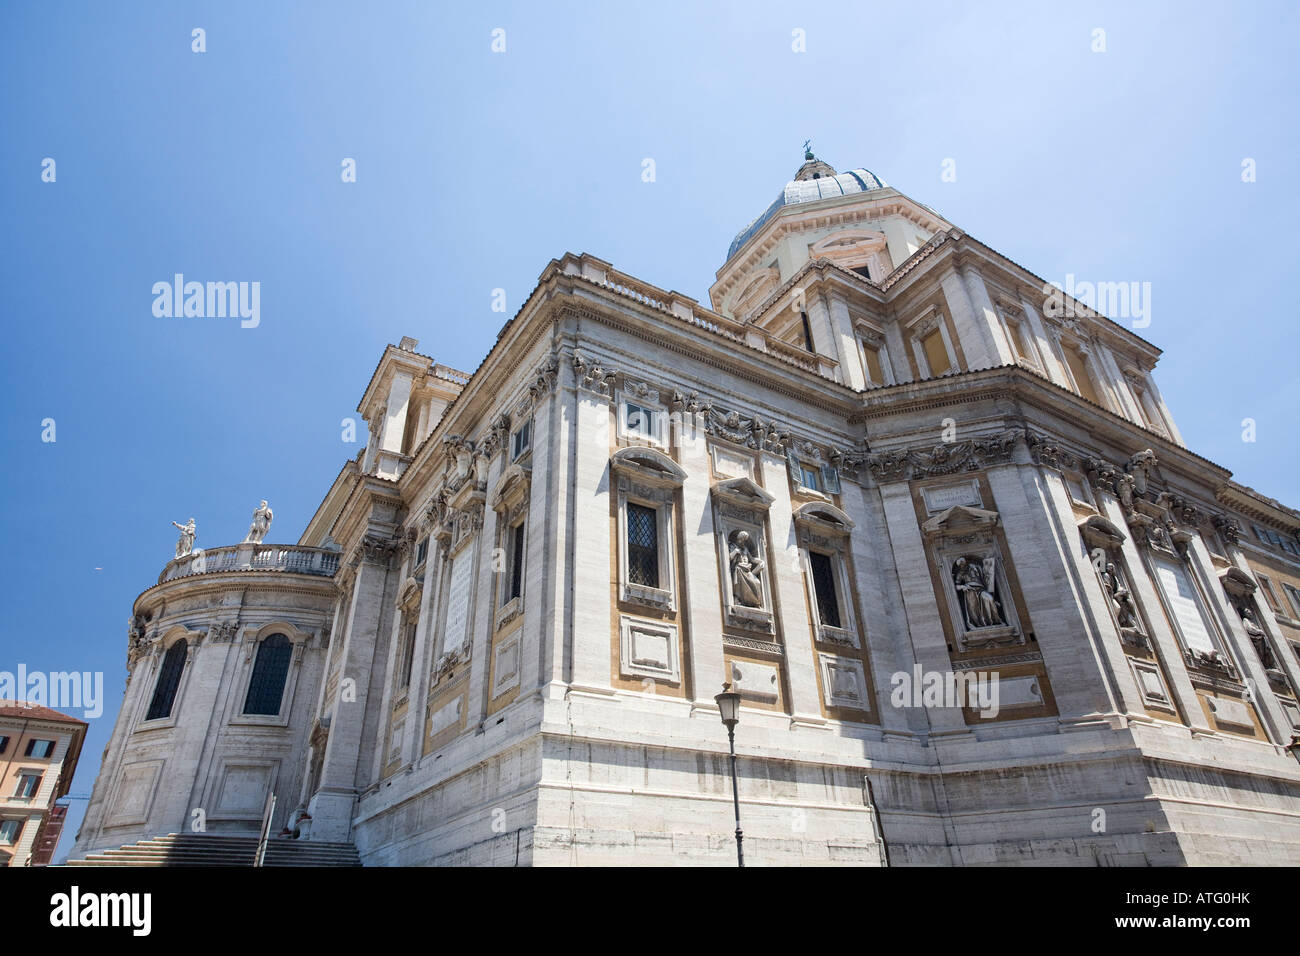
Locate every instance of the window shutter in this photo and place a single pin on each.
(830, 479)
(796, 470)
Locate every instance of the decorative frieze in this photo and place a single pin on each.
(592, 376)
(750, 431)
(946, 458)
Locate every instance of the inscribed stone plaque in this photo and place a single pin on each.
(457, 603)
(1185, 605)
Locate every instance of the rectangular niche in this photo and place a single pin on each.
(942, 497)
(755, 681)
(649, 649)
(844, 684)
(1016, 692)
(242, 787)
(1151, 685)
(135, 793)
(505, 667)
(742, 555)
(448, 715)
(729, 463)
(1231, 713)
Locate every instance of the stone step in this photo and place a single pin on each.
(192, 849)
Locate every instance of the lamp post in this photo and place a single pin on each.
(729, 707)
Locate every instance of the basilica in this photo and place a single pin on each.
(881, 459)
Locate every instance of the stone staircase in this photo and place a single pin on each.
(200, 849)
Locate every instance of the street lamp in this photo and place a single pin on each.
(729, 707)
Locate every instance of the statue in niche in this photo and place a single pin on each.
(185, 544)
(976, 582)
(261, 524)
(746, 568)
(1125, 612)
(1257, 638)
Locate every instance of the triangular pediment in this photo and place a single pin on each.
(960, 518)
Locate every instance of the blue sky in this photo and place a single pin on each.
(475, 168)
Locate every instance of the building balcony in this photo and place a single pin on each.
(288, 558)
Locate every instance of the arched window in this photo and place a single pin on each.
(169, 680)
(269, 672)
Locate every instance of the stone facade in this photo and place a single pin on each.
(981, 603)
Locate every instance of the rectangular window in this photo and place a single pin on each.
(408, 655)
(10, 830)
(4, 743)
(1291, 593)
(936, 353)
(28, 784)
(521, 440)
(809, 478)
(39, 748)
(875, 372)
(1082, 380)
(641, 421)
(421, 551)
(807, 333)
(516, 563)
(1269, 594)
(823, 573)
(642, 545)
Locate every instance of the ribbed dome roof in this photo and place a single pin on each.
(815, 180)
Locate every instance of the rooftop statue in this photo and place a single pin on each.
(185, 544)
(261, 524)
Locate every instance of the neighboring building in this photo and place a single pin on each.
(39, 748)
(887, 460)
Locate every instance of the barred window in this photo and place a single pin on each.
(169, 680)
(270, 670)
(642, 545)
(516, 562)
(828, 605)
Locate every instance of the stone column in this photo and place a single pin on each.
(362, 659)
(881, 606)
(850, 355)
(701, 594)
(791, 608)
(995, 339)
(545, 505)
(1163, 639)
(422, 661)
(1277, 726)
(819, 321)
(486, 603)
(591, 544)
(975, 338)
(551, 513)
(920, 604)
(1081, 649)
(1052, 367)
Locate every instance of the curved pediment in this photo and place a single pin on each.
(511, 488)
(744, 492)
(1238, 583)
(1100, 532)
(647, 464)
(823, 514)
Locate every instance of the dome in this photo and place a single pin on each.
(814, 181)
